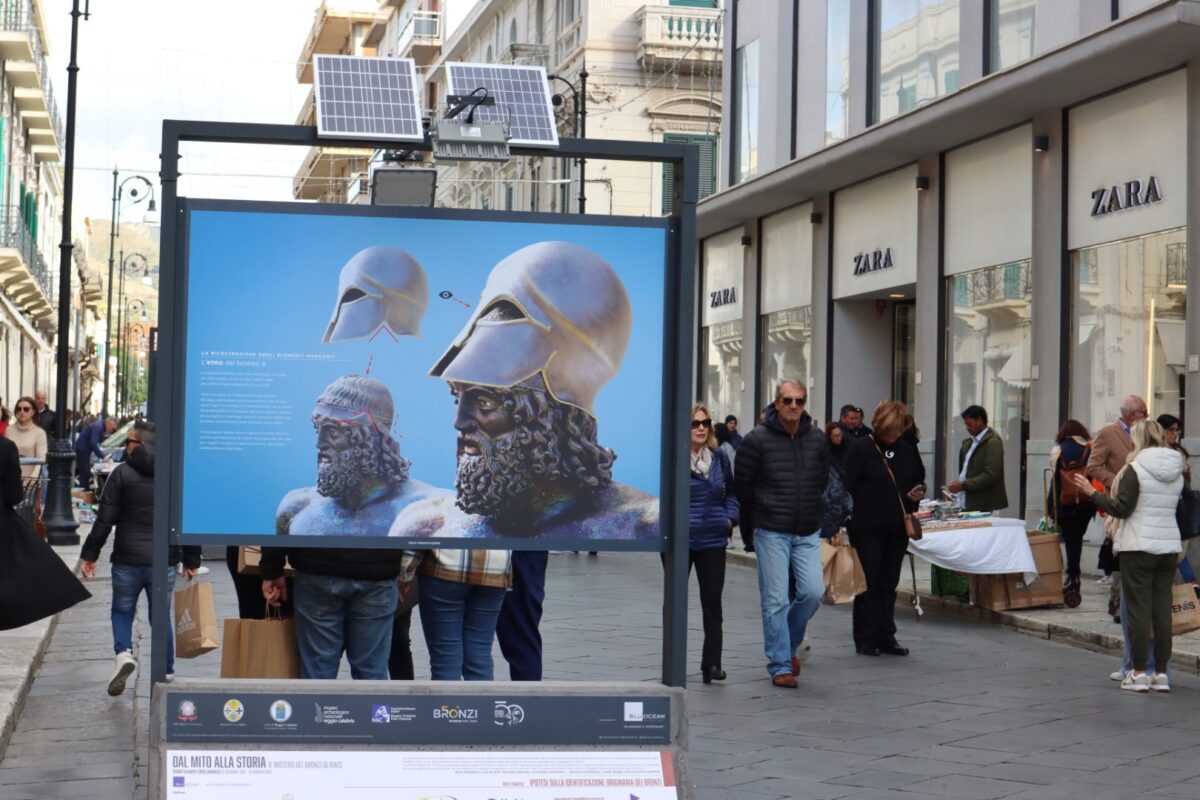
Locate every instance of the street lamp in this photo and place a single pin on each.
(131, 264)
(114, 232)
(126, 313)
(579, 113)
(59, 517)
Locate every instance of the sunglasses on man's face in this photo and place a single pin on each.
(787, 401)
(701, 423)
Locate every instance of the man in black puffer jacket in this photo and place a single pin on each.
(127, 502)
(779, 477)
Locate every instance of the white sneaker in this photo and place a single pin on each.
(1136, 683)
(1160, 683)
(125, 666)
(1105, 580)
(201, 570)
(1118, 676)
(803, 651)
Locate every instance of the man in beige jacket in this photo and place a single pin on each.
(1110, 450)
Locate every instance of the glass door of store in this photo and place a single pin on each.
(904, 353)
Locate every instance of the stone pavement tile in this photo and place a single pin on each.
(1173, 762)
(721, 793)
(73, 772)
(1038, 738)
(18, 746)
(1076, 791)
(882, 794)
(877, 779)
(1134, 774)
(769, 722)
(810, 765)
(996, 721)
(1075, 761)
(40, 758)
(1023, 773)
(956, 754)
(790, 787)
(103, 789)
(844, 730)
(717, 762)
(1180, 791)
(926, 767)
(1135, 744)
(962, 787)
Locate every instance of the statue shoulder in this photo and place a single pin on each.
(292, 504)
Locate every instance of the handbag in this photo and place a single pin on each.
(1187, 514)
(912, 525)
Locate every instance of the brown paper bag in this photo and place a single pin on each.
(249, 559)
(1185, 609)
(260, 648)
(195, 620)
(844, 576)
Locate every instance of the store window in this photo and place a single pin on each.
(746, 125)
(785, 321)
(1011, 26)
(721, 314)
(1128, 325)
(837, 70)
(989, 349)
(915, 48)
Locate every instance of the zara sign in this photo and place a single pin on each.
(1122, 198)
(873, 261)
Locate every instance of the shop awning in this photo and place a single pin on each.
(1016, 370)
(1171, 334)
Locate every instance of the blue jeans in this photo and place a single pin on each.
(129, 581)
(343, 615)
(780, 556)
(459, 621)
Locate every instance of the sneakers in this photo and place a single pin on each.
(1117, 676)
(803, 651)
(1160, 683)
(125, 665)
(1136, 683)
(1104, 580)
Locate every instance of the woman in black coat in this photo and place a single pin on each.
(881, 472)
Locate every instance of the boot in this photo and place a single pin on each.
(1071, 592)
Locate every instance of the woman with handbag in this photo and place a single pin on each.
(712, 513)
(881, 475)
(1066, 505)
(1146, 538)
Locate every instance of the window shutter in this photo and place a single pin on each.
(694, 3)
(708, 166)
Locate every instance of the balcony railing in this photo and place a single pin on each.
(691, 36)
(569, 41)
(1177, 264)
(993, 285)
(15, 234)
(424, 28)
(19, 16)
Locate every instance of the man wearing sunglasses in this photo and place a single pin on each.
(780, 475)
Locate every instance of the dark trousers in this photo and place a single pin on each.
(83, 470)
(1146, 582)
(400, 660)
(710, 574)
(517, 628)
(881, 552)
(1072, 528)
(747, 534)
(248, 588)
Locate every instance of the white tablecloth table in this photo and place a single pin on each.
(992, 546)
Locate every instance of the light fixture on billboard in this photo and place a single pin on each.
(403, 186)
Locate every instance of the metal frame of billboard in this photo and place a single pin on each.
(679, 310)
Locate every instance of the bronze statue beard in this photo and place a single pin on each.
(552, 447)
(370, 458)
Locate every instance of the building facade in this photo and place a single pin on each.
(654, 74)
(954, 203)
(30, 203)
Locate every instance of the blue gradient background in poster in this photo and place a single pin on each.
(267, 281)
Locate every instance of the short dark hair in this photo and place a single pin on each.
(145, 431)
(1071, 427)
(850, 409)
(730, 418)
(975, 412)
(1168, 421)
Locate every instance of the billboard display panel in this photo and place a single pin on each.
(432, 376)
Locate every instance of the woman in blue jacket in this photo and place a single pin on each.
(712, 513)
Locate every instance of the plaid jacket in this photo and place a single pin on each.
(476, 567)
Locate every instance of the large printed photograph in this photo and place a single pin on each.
(427, 378)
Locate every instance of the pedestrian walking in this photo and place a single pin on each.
(88, 445)
(1069, 508)
(881, 475)
(1146, 539)
(731, 427)
(127, 504)
(838, 445)
(712, 513)
(780, 476)
(850, 418)
(43, 415)
(28, 436)
(517, 628)
(1110, 452)
(980, 483)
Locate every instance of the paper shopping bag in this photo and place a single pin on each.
(1185, 609)
(844, 576)
(195, 620)
(260, 648)
(249, 559)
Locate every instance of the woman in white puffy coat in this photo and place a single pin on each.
(1143, 500)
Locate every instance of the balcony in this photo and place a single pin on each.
(24, 275)
(569, 41)
(532, 55)
(358, 193)
(308, 112)
(22, 52)
(693, 37)
(326, 172)
(338, 27)
(421, 39)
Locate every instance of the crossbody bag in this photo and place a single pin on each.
(912, 525)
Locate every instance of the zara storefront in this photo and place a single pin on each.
(1033, 261)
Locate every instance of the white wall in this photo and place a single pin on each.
(991, 180)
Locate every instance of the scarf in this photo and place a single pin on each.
(702, 462)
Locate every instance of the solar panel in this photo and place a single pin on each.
(369, 98)
(522, 96)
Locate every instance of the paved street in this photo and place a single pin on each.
(976, 712)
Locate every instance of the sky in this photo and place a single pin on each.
(142, 61)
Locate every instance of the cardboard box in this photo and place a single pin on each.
(249, 558)
(1003, 592)
(990, 591)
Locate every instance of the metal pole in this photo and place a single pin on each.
(60, 521)
(120, 337)
(115, 226)
(581, 126)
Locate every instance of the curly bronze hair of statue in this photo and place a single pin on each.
(373, 453)
(551, 443)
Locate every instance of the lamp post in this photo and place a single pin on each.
(114, 232)
(131, 264)
(60, 521)
(127, 312)
(579, 112)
